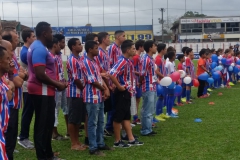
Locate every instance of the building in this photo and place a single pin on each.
(207, 29)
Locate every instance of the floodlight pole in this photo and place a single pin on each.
(162, 21)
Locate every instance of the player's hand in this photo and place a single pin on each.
(105, 75)
(11, 64)
(106, 94)
(121, 89)
(112, 87)
(61, 86)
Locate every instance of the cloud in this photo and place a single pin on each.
(46, 10)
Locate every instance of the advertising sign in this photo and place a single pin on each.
(210, 20)
(77, 31)
(134, 37)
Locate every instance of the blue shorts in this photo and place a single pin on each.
(190, 84)
(139, 92)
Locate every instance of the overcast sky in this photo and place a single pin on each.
(46, 10)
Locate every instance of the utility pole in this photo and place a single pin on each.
(161, 21)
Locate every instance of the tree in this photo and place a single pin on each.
(175, 24)
(193, 14)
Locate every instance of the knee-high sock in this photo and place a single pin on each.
(135, 117)
(219, 82)
(165, 100)
(184, 92)
(215, 83)
(159, 106)
(179, 99)
(188, 95)
(170, 103)
(205, 90)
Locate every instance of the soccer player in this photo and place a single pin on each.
(77, 110)
(170, 68)
(93, 93)
(121, 75)
(5, 97)
(102, 61)
(148, 80)
(15, 104)
(181, 59)
(201, 68)
(184, 67)
(8, 79)
(54, 49)
(28, 37)
(159, 61)
(136, 61)
(114, 52)
(190, 71)
(41, 88)
(61, 97)
(90, 37)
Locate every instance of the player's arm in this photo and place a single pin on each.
(188, 66)
(9, 93)
(143, 70)
(76, 74)
(79, 84)
(16, 79)
(113, 74)
(39, 64)
(90, 77)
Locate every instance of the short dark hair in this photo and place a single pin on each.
(26, 33)
(41, 26)
(54, 41)
(90, 37)
(171, 54)
(188, 50)
(59, 37)
(212, 50)
(2, 49)
(118, 32)
(139, 43)
(90, 45)
(184, 49)
(101, 36)
(165, 56)
(148, 44)
(171, 49)
(181, 56)
(160, 47)
(72, 42)
(7, 37)
(202, 52)
(227, 50)
(127, 44)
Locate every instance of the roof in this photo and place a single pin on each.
(12, 23)
(208, 17)
(9, 23)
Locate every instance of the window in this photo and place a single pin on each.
(232, 27)
(191, 28)
(210, 25)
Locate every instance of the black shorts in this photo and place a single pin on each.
(76, 110)
(122, 106)
(108, 104)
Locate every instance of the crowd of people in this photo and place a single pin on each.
(105, 79)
